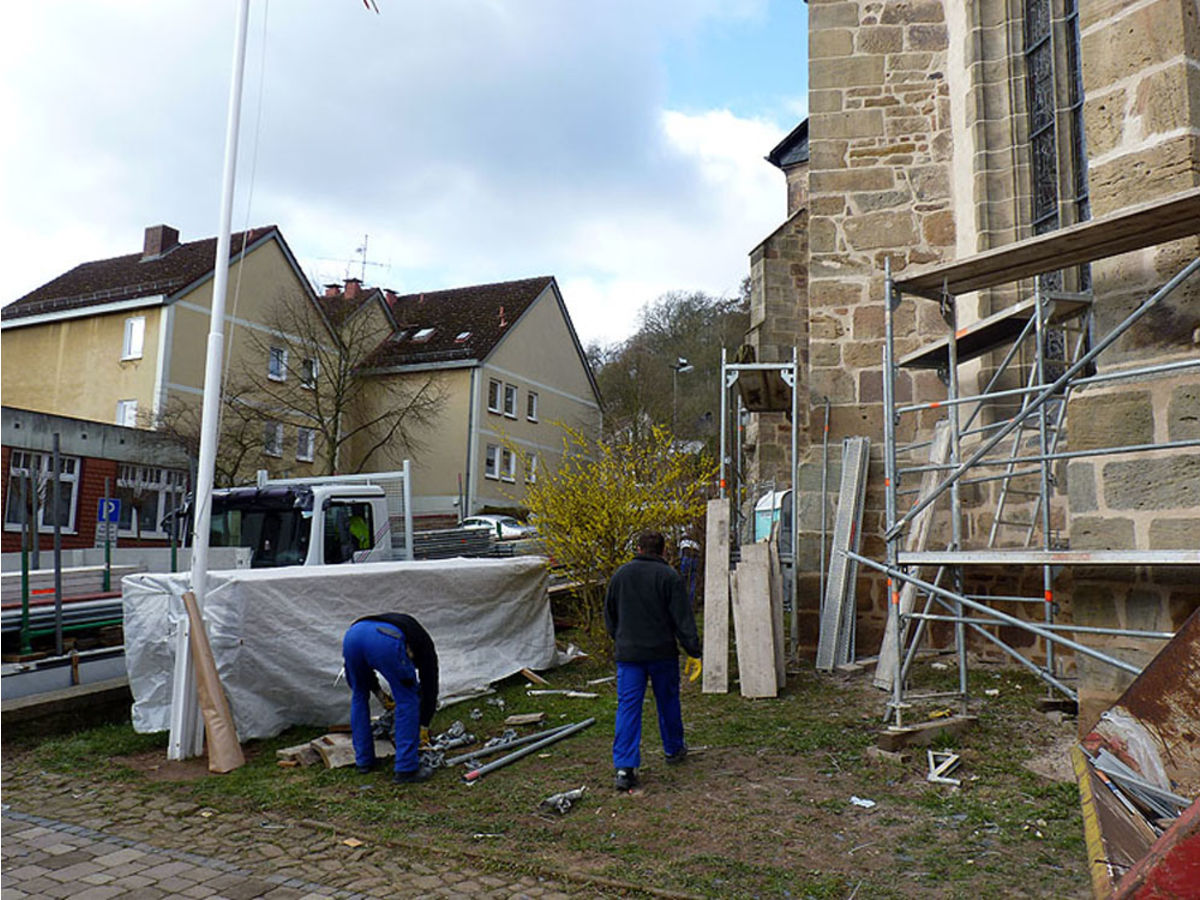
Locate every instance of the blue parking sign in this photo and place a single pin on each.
(109, 510)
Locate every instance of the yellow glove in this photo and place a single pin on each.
(386, 699)
(425, 742)
(691, 668)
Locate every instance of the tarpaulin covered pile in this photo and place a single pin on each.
(276, 634)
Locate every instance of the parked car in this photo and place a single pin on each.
(505, 527)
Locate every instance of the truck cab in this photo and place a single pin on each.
(303, 525)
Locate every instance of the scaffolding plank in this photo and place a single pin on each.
(776, 584)
(987, 334)
(916, 539)
(716, 598)
(1026, 557)
(837, 606)
(753, 623)
(1144, 225)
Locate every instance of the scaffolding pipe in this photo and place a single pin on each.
(1047, 392)
(475, 774)
(1041, 632)
(1078, 629)
(506, 745)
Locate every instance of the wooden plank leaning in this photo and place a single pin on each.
(837, 606)
(716, 598)
(753, 623)
(916, 539)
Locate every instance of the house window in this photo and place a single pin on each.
(508, 465)
(422, 335)
(135, 337)
(493, 395)
(510, 400)
(309, 370)
(306, 439)
(531, 405)
(21, 464)
(273, 439)
(491, 462)
(127, 413)
(531, 468)
(463, 337)
(148, 494)
(277, 364)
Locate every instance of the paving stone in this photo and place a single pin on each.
(24, 873)
(199, 891)
(100, 892)
(72, 873)
(119, 857)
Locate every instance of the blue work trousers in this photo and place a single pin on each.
(380, 647)
(663, 675)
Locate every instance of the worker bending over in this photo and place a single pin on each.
(646, 610)
(396, 646)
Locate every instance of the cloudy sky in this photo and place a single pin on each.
(615, 144)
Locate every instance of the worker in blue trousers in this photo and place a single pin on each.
(646, 611)
(397, 647)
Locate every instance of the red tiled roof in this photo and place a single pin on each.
(129, 277)
(466, 323)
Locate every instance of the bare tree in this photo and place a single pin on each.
(309, 369)
(240, 440)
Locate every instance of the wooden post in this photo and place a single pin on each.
(716, 599)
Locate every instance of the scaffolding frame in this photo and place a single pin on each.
(1031, 430)
(766, 398)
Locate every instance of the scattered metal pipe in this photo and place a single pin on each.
(507, 745)
(475, 774)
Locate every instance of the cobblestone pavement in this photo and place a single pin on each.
(93, 839)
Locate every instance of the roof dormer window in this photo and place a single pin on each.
(422, 335)
(463, 337)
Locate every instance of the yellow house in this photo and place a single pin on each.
(509, 369)
(122, 340)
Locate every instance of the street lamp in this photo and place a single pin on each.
(680, 365)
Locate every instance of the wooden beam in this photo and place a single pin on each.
(753, 623)
(716, 599)
(1139, 226)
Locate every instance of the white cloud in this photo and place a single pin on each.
(473, 140)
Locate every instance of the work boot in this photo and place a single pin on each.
(368, 768)
(626, 780)
(674, 759)
(420, 773)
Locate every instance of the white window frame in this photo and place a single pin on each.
(510, 401)
(310, 371)
(508, 465)
(169, 484)
(531, 468)
(306, 441)
(19, 464)
(127, 413)
(273, 439)
(277, 373)
(491, 461)
(495, 389)
(133, 344)
(531, 405)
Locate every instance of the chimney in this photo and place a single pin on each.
(160, 239)
(391, 296)
(503, 321)
(353, 286)
(333, 290)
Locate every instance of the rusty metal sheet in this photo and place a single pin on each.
(1155, 726)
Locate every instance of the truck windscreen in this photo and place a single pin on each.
(276, 537)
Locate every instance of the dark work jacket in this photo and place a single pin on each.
(424, 657)
(646, 610)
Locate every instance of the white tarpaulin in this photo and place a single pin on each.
(276, 634)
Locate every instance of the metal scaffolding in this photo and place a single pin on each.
(763, 387)
(1006, 438)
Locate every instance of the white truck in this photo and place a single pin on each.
(332, 520)
(305, 524)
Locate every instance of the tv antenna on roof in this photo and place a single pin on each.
(361, 252)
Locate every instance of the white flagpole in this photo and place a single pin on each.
(186, 738)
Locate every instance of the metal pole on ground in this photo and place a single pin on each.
(475, 774)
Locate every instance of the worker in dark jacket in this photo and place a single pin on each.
(646, 611)
(396, 646)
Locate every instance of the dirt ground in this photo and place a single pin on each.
(767, 805)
